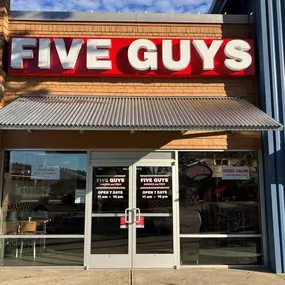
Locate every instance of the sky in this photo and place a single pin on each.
(151, 6)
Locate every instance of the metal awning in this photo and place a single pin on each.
(68, 112)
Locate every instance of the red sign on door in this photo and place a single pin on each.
(139, 222)
(123, 223)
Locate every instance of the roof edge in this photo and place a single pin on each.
(236, 97)
(128, 17)
(137, 129)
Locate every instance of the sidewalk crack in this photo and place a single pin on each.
(131, 277)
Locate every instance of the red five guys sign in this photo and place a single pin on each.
(129, 57)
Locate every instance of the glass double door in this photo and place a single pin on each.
(132, 216)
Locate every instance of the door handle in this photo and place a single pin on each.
(127, 215)
(138, 213)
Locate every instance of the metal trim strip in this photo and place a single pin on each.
(221, 236)
(46, 16)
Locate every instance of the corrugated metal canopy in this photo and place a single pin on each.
(134, 113)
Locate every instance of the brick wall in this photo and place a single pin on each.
(16, 86)
(139, 30)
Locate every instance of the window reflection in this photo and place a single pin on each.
(156, 237)
(39, 252)
(108, 237)
(44, 193)
(231, 251)
(218, 192)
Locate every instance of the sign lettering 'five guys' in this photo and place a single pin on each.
(154, 186)
(130, 57)
(110, 186)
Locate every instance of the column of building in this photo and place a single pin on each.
(269, 25)
(4, 34)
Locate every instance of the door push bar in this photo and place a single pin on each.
(127, 215)
(136, 211)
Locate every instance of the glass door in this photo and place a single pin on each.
(132, 216)
(112, 214)
(153, 206)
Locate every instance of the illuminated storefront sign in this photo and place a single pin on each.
(127, 57)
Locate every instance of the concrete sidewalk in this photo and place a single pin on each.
(140, 277)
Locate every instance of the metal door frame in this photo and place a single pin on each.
(123, 260)
(132, 163)
(155, 260)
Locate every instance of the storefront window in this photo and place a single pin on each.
(43, 252)
(43, 193)
(221, 251)
(219, 193)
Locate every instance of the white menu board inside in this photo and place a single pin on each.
(43, 172)
(235, 173)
